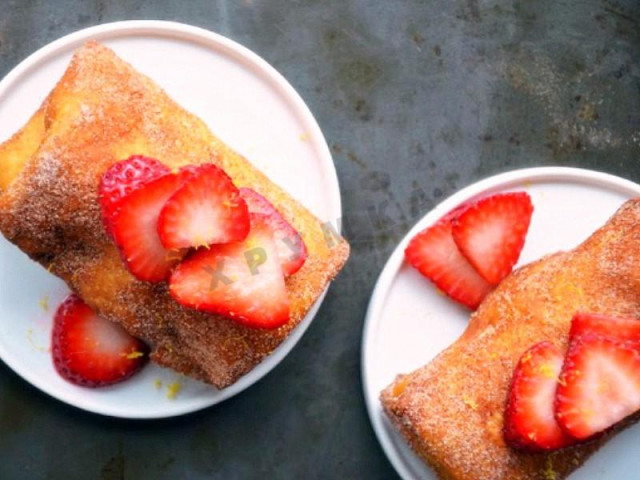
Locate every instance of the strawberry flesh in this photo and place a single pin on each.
(123, 178)
(136, 234)
(242, 281)
(599, 385)
(617, 328)
(530, 423)
(206, 210)
(91, 351)
(491, 232)
(290, 247)
(434, 253)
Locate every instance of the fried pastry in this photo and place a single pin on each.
(451, 410)
(100, 112)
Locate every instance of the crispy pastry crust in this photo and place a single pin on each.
(102, 111)
(451, 410)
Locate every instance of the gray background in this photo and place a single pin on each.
(417, 99)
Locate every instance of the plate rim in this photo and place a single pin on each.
(220, 44)
(394, 262)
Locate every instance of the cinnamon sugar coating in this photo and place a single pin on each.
(451, 410)
(102, 111)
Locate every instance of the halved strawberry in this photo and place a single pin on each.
(616, 328)
(123, 178)
(529, 422)
(207, 209)
(434, 253)
(135, 230)
(490, 233)
(291, 249)
(241, 280)
(599, 385)
(91, 351)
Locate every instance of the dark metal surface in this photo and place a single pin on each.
(417, 99)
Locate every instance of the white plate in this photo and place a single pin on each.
(244, 101)
(408, 322)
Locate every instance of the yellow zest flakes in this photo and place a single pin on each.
(231, 203)
(33, 343)
(549, 473)
(527, 357)
(44, 303)
(157, 384)
(547, 371)
(469, 402)
(577, 290)
(134, 355)
(303, 137)
(173, 389)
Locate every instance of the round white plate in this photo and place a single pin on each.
(244, 101)
(408, 322)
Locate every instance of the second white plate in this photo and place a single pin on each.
(244, 101)
(408, 322)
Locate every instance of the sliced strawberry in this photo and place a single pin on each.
(599, 385)
(491, 232)
(207, 209)
(91, 351)
(529, 418)
(291, 249)
(136, 234)
(242, 280)
(123, 178)
(616, 328)
(434, 253)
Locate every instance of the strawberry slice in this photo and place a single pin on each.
(242, 280)
(91, 351)
(290, 247)
(434, 253)
(616, 328)
(491, 232)
(599, 385)
(529, 418)
(135, 230)
(207, 209)
(123, 178)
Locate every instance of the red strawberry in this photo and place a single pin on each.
(599, 385)
(207, 209)
(616, 328)
(136, 234)
(491, 232)
(242, 280)
(91, 351)
(434, 253)
(123, 178)
(529, 418)
(291, 249)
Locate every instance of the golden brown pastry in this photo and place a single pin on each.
(451, 410)
(102, 111)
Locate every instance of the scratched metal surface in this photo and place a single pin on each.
(416, 99)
